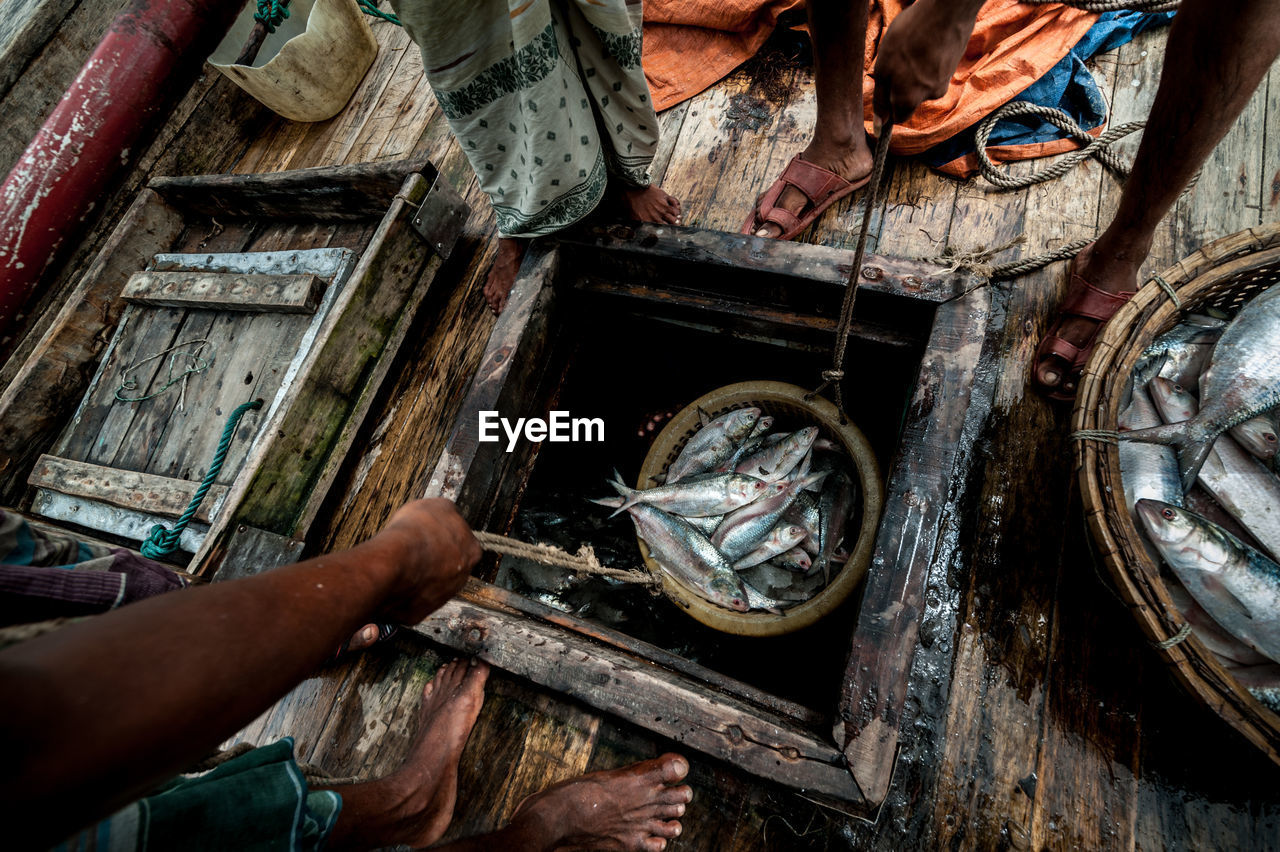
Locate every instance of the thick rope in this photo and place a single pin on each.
(371, 9)
(1101, 6)
(1106, 436)
(1099, 148)
(161, 542)
(271, 13)
(1176, 638)
(832, 377)
(585, 561)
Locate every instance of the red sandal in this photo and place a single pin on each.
(1083, 300)
(820, 186)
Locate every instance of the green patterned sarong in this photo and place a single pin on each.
(546, 97)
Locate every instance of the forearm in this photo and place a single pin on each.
(96, 713)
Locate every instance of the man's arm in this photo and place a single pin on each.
(919, 53)
(95, 714)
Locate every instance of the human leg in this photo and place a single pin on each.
(838, 29)
(413, 805)
(1215, 59)
(632, 809)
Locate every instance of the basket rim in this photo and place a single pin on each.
(759, 623)
(1206, 272)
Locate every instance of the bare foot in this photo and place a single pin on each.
(502, 275)
(414, 804)
(852, 162)
(632, 809)
(365, 637)
(648, 204)
(1108, 270)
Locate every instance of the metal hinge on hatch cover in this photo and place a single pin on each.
(441, 217)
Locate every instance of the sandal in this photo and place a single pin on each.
(1083, 300)
(820, 186)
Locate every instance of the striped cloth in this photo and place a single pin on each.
(257, 801)
(44, 575)
(546, 97)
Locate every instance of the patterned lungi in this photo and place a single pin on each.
(546, 97)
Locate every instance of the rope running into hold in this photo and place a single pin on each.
(833, 376)
(585, 561)
(161, 542)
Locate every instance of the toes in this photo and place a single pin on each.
(653, 844)
(670, 811)
(673, 768)
(363, 638)
(477, 672)
(676, 795)
(669, 829)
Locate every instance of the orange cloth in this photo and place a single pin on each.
(690, 44)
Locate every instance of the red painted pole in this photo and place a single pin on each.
(153, 50)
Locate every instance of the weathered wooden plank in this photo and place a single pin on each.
(299, 293)
(25, 28)
(751, 259)
(54, 377)
(337, 381)
(644, 693)
(496, 597)
(143, 492)
(327, 193)
(920, 487)
(720, 313)
(470, 471)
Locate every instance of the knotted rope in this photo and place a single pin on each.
(161, 542)
(198, 364)
(370, 8)
(271, 13)
(832, 377)
(585, 561)
(1099, 148)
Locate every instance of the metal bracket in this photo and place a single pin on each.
(441, 217)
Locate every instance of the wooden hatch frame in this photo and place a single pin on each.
(774, 288)
(411, 217)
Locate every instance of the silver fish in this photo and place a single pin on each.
(713, 443)
(687, 555)
(1181, 353)
(1241, 485)
(780, 539)
(1146, 470)
(1238, 586)
(783, 588)
(696, 496)
(804, 511)
(741, 531)
(758, 600)
(834, 505)
(795, 559)
(706, 526)
(1262, 681)
(1258, 437)
(1243, 380)
(752, 443)
(774, 462)
(1209, 632)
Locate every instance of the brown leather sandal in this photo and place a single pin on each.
(1083, 300)
(820, 186)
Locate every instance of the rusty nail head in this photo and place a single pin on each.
(240, 528)
(912, 283)
(872, 273)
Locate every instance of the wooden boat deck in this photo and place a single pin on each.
(1035, 718)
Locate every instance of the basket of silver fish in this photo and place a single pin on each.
(1176, 441)
(757, 508)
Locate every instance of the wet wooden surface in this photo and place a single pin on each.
(1035, 716)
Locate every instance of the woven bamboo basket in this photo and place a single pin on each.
(793, 410)
(1223, 274)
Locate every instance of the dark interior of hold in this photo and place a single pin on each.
(630, 363)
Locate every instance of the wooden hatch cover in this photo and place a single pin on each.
(305, 314)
